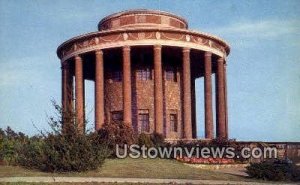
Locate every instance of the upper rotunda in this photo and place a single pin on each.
(142, 18)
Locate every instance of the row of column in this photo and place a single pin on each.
(221, 99)
(221, 103)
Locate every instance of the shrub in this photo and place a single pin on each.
(31, 155)
(295, 173)
(7, 153)
(116, 133)
(57, 151)
(61, 153)
(72, 153)
(144, 139)
(158, 139)
(275, 170)
(10, 142)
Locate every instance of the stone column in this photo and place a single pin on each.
(158, 90)
(221, 133)
(226, 105)
(127, 86)
(79, 93)
(187, 112)
(64, 82)
(70, 106)
(67, 91)
(193, 100)
(64, 87)
(209, 128)
(99, 90)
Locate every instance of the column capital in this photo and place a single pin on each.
(64, 65)
(221, 59)
(185, 49)
(99, 52)
(207, 54)
(78, 57)
(126, 48)
(157, 46)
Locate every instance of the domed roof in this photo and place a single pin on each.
(142, 18)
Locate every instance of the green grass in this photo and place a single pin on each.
(158, 168)
(138, 168)
(69, 183)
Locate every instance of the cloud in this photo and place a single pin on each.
(263, 29)
(245, 34)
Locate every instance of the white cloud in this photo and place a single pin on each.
(246, 33)
(263, 29)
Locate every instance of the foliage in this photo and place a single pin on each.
(144, 139)
(157, 139)
(116, 133)
(60, 153)
(61, 150)
(31, 154)
(10, 141)
(151, 140)
(275, 170)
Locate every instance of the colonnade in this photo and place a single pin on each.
(221, 92)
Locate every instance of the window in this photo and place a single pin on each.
(173, 122)
(143, 119)
(117, 115)
(143, 74)
(171, 74)
(116, 76)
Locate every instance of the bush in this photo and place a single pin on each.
(61, 153)
(277, 170)
(10, 142)
(158, 139)
(31, 154)
(116, 133)
(57, 151)
(144, 139)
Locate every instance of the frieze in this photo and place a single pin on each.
(172, 36)
(163, 36)
(141, 35)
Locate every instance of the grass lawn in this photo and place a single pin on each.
(139, 168)
(71, 183)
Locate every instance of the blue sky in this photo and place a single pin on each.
(263, 68)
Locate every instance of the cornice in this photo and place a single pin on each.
(184, 32)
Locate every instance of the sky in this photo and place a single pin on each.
(263, 72)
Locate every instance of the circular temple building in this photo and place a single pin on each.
(144, 64)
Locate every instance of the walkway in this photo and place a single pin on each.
(124, 180)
